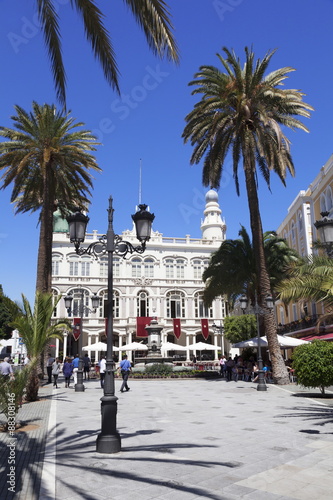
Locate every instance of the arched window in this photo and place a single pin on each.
(329, 202)
(56, 259)
(80, 303)
(323, 203)
(142, 304)
(149, 267)
(136, 267)
(85, 265)
(103, 304)
(200, 310)
(180, 266)
(74, 265)
(175, 304)
(293, 232)
(282, 317)
(199, 265)
(169, 268)
(300, 220)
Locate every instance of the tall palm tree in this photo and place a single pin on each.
(36, 329)
(242, 112)
(152, 15)
(232, 268)
(47, 158)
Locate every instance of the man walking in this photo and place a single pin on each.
(125, 367)
(75, 365)
(49, 363)
(6, 369)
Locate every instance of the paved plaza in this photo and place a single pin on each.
(181, 440)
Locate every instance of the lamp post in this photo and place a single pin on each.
(219, 329)
(108, 441)
(79, 386)
(258, 311)
(324, 227)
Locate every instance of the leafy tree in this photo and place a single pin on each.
(242, 113)
(238, 328)
(36, 330)
(8, 311)
(232, 268)
(313, 364)
(152, 16)
(47, 158)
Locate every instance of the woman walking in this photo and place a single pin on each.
(67, 371)
(55, 372)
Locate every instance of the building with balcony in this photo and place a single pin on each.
(164, 282)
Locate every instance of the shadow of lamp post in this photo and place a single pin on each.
(258, 311)
(108, 441)
(79, 386)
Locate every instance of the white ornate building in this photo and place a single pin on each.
(165, 281)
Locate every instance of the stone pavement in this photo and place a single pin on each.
(181, 439)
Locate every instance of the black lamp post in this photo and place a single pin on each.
(258, 311)
(324, 227)
(79, 386)
(219, 329)
(108, 441)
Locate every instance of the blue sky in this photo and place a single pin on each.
(147, 121)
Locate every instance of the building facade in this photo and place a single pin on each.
(165, 282)
(299, 231)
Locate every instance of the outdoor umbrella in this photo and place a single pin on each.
(98, 346)
(202, 346)
(284, 342)
(251, 342)
(133, 346)
(169, 346)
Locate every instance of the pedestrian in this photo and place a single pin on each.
(229, 365)
(6, 369)
(67, 371)
(75, 364)
(55, 372)
(49, 363)
(125, 368)
(222, 365)
(86, 366)
(102, 370)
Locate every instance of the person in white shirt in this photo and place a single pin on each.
(102, 370)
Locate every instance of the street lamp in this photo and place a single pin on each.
(79, 386)
(219, 329)
(324, 227)
(108, 441)
(258, 311)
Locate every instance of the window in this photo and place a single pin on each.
(300, 221)
(169, 268)
(293, 232)
(56, 259)
(282, 317)
(200, 310)
(323, 203)
(329, 202)
(180, 265)
(74, 265)
(116, 267)
(136, 268)
(294, 312)
(149, 268)
(175, 304)
(80, 302)
(103, 304)
(85, 266)
(103, 267)
(199, 265)
(55, 297)
(142, 304)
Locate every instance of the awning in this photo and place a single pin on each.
(327, 336)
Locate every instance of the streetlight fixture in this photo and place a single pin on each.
(79, 386)
(219, 329)
(258, 311)
(108, 441)
(324, 227)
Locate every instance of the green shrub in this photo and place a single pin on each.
(161, 369)
(11, 394)
(313, 364)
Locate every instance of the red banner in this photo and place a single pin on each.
(176, 327)
(76, 328)
(205, 328)
(141, 323)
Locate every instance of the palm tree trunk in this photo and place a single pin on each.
(44, 262)
(280, 373)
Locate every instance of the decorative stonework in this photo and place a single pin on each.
(142, 281)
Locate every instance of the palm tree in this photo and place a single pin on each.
(310, 279)
(241, 112)
(232, 268)
(152, 15)
(36, 330)
(47, 158)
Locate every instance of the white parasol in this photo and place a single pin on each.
(98, 346)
